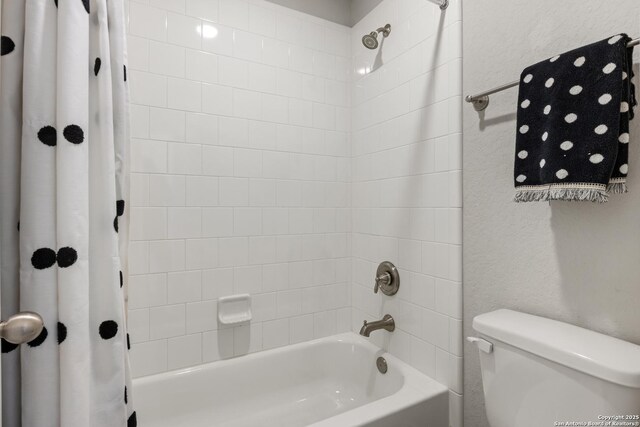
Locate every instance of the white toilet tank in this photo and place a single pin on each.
(537, 372)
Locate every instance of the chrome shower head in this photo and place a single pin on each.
(370, 41)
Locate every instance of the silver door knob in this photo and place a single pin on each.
(22, 327)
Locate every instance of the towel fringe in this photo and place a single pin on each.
(595, 195)
(617, 188)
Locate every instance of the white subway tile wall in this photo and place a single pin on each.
(240, 178)
(269, 157)
(406, 184)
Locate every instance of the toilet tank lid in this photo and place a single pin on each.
(590, 352)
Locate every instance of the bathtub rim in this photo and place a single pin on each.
(417, 386)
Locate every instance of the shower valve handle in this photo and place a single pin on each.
(382, 280)
(387, 279)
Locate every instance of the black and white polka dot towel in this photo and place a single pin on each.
(573, 124)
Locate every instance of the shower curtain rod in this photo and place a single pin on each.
(442, 3)
(480, 101)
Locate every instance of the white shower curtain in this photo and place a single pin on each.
(63, 191)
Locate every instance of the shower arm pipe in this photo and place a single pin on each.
(480, 100)
(443, 4)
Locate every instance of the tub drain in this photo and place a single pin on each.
(382, 365)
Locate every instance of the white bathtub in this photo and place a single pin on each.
(330, 382)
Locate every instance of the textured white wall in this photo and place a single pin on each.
(406, 190)
(240, 178)
(573, 262)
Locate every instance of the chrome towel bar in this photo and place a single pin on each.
(480, 101)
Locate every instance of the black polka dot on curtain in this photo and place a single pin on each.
(67, 257)
(7, 347)
(7, 45)
(37, 341)
(108, 329)
(74, 134)
(62, 332)
(47, 135)
(43, 258)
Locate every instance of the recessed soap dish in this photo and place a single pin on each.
(234, 309)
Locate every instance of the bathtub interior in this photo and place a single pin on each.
(294, 386)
